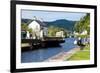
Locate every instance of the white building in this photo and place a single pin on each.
(84, 32)
(39, 29)
(60, 34)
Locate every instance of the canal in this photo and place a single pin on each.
(43, 54)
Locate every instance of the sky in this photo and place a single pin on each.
(51, 15)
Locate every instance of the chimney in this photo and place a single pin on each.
(34, 18)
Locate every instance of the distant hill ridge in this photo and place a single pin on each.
(66, 24)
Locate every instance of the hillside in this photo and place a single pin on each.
(66, 24)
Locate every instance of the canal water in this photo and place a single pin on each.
(43, 54)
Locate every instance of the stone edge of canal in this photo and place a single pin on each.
(63, 55)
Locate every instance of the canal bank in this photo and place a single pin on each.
(81, 55)
(43, 54)
(63, 55)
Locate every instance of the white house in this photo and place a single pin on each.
(76, 33)
(39, 29)
(60, 34)
(84, 32)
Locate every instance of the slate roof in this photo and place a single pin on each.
(28, 21)
(41, 23)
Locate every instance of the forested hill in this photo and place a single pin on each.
(62, 23)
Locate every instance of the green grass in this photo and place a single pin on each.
(87, 47)
(82, 54)
(82, 36)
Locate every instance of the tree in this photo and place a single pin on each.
(52, 31)
(83, 24)
(30, 30)
(24, 27)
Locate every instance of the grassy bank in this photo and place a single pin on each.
(82, 54)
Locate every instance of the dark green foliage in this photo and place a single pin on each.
(24, 27)
(55, 26)
(30, 30)
(83, 24)
(52, 30)
(62, 23)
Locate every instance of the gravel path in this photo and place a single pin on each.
(63, 56)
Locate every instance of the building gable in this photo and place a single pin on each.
(34, 25)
